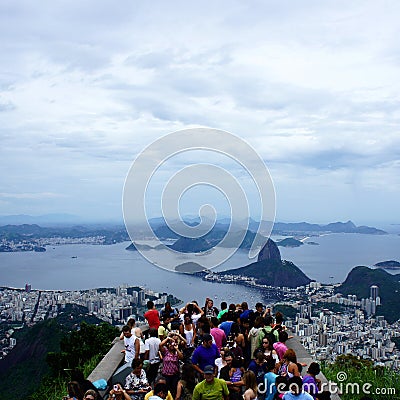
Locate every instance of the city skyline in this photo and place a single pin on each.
(313, 87)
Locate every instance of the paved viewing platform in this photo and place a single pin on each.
(303, 356)
(112, 361)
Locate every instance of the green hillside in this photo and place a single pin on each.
(22, 371)
(360, 279)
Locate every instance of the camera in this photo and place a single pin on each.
(116, 387)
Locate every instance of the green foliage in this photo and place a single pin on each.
(287, 311)
(91, 364)
(82, 349)
(50, 389)
(360, 371)
(26, 364)
(80, 346)
(58, 342)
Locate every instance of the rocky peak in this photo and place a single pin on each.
(270, 252)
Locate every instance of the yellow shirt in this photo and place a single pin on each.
(169, 395)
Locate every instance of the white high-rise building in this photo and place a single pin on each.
(374, 292)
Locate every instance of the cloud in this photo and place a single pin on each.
(84, 87)
(31, 196)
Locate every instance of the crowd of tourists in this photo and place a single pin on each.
(205, 353)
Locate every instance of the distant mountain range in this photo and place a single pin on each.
(222, 224)
(163, 231)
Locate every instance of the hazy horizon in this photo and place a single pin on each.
(71, 219)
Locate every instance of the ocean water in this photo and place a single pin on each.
(110, 266)
(336, 254)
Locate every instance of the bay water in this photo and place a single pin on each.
(80, 266)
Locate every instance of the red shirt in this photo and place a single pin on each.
(152, 318)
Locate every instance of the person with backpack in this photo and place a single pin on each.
(269, 331)
(278, 326)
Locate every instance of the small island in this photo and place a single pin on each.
(391, 264)
(136, 247)
(290, 242)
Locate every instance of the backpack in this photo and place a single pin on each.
(269, 335)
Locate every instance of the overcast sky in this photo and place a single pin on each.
(313, 86)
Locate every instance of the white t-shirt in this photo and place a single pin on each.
(194, 317)
(152, 345)
(130, 352)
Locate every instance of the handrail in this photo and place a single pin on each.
(107, 366)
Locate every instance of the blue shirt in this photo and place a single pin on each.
(203, 356)
(226, 327)
(270, 388)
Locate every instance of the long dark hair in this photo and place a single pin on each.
(188, 376)
(74, 390)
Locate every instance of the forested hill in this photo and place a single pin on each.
(361, 278)
(24, 367)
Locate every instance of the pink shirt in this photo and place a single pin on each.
(219, 337)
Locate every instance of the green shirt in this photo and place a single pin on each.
(268, 329)
(221, 313)
(217, 390)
